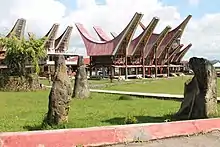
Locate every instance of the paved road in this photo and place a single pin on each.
(207, 140)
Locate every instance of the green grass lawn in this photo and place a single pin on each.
(162, 85)
(102, 81)
(168, 86)
(22, 111)
(171, 86)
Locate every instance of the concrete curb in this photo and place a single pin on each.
(106, 135)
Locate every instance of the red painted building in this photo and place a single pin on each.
(149, 53)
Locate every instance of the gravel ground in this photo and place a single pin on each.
(211, 139)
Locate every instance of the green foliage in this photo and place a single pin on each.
(29, 82)
(20, 52)
(130, 120)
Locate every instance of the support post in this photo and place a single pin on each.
(111, 74)
(161, 70)
(143, 66)
(103, 72)
(155, 54)
(149, 71)
(168, 64)
(90, 67)
(90, 71)
(49, 74)
(96, 72)
(126, 67)
(168, 69)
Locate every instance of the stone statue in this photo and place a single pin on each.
(200, 93)
(81, 87)
(60, 94)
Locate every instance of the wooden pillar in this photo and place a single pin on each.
(149, 71)
(168, 64)
(48, 69)
(111, 74)
(49, 74)
(126, 67)
(103, 72)
(136, 70)
(161, 70)
(143, 66)
(113, 71)
(90, 66)
(96, 72)
(155, 54)
(156, 70)
(90, 71)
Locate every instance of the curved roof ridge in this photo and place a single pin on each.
(172, 54)
(110, 47)
(183, 52)
(164, 49)
(102, 35)
(86, 34)
(146, 34)
(156, 44)
(182, 25)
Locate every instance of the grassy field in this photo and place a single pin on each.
(168, 86)
(105, 81)
(25, 111)
(163, 85)
(22, 111)
(171, 86)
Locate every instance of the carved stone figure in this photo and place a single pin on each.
(200, 93)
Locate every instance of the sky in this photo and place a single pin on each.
(203, 30)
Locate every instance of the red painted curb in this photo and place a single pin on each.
(106, 135)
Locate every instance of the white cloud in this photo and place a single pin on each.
(194, 2)
(203, 33)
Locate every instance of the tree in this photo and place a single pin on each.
(20, 52)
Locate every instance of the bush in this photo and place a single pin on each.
(130, 120)
(125, 97)
(16, 83)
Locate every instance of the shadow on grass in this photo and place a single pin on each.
(33, 128)
(141, 119)
(44, 127)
